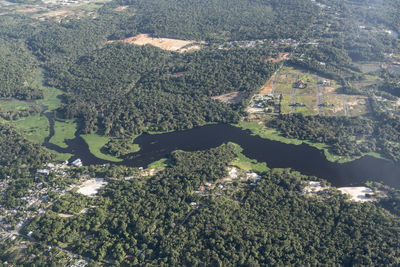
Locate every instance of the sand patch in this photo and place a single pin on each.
(254, 110)
(27, 10)
(64, 215)
(162, 43)
(178, 74)
(120, 8)
(314, 186)
(230, 98)
(91, 187)
(358, 193)
(329, 90)
(233, 174)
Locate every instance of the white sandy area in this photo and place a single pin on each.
(90, 187)
(358, 193)
(314, 186)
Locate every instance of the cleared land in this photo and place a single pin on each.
(357, 105)
(230, 98)
(162, 43)
(359, 193)
(91, 187)
(281, 57)
(267, 88)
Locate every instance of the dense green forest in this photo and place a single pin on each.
(19, 160)
(154, 221)
(346, 136)
(236, 19)
(17, 153)
(17, 70)
(124, 88)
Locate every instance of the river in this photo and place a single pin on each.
(303, 158)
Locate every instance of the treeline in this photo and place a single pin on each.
(220, 20)
(390, 84)
(18, 154)
(154, 221)
(11, 115)
(19, 160)
(124, 88)
(346, 136)
(17, 71)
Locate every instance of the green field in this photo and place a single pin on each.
(159, 164)
(285, 102)
(95, 143)
(246, 163)
(311, 107)
(13, 105)
(63, 130)
(272, 134)
(36, 128)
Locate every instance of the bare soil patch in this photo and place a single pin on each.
(282, 56)
(58, 14)
(267, 88)
(27, 10)
(358, 193)
(329, 90)
(230, 98)
(162, 43)
(90, 187)
(120, 8)
(178, 74)
(64, 215)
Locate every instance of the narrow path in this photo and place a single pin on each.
(274, 82)
(320, 97)
(294, 98)
(346, 106)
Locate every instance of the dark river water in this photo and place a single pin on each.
(302, 158)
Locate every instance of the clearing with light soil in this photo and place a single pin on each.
(230, 98)
(162, 43)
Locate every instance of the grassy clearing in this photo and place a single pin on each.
(311, 107)
(95, 143)
(284, 88)
(63, 130)
(285, 102)
(13, 105)
(289, 70)
(246, 163)
(62, 156)
(159, 164)
(272, 134)
(35, 128)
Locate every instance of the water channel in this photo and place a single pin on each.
(303, 158)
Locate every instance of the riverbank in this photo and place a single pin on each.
(258, 128)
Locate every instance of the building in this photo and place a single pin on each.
(300, 84)
(77, 163)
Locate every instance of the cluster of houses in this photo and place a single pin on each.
(262, 101)
(297, 104)
(66, 2)
(254, 43)
(325, 83)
